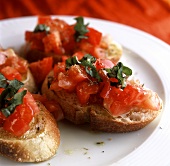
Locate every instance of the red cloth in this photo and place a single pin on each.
(152, 16)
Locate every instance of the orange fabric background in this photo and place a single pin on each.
(152, 16)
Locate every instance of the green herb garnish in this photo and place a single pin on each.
(81, 29)
(9, 98)
(71, 61)
(120, 72)
(87, 61)
(42, 28)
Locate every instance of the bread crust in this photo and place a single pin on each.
(96, 115)
(38, 144)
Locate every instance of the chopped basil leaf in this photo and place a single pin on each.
(81, 29)
(16, 100)
(89, 58)
(42, 28)
(71, 61)
(9, 98)
(3, 81)
(14, 86)
(120, 72)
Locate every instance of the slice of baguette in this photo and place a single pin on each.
(96, 115)
(38, 144)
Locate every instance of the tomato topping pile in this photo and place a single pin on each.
(104, 80)
(12, 66)
(58, 37)
(18, 122)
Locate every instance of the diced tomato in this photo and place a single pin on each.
(71, 78)
(35, 40)
(103, 63)
(64, 58)
(85, 47)
(79, 55)
(120, 101)
(94, 36)
(11, 73)
(18, 122)
(105, 89)
(15, 125)
(40, 69)
(21, 65)
(52, 43)
(84, 90)
(60, 67)
(99, 52)
(29, 100)
(16, 62)
(68, 40)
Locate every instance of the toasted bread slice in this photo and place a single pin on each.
(38, 144)
(96, 115)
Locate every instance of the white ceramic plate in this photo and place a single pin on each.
(149, 57)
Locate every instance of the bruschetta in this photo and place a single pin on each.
(102, 94)
(56, 38)
(28, 132)
(13, 66)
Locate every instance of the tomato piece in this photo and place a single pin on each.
(105, 89)
(15, 125)
(18, 122)
(60, 67)
(35, 40)
(84, 90)
(79, 55)
(30, 102)
(11, 73)
(94, 36)
(71, 78)
(68, 40)
(40, 69)
(16, 62)
(103, 63)
(85, 47)
(120, 101)
(20, 65)
(52, 43)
